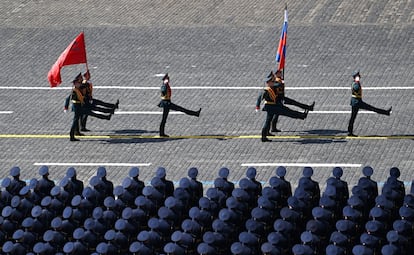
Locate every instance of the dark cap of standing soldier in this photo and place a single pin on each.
(134, 172)
(281, 171)
(356, 73)
(192, 172)
(15, 171)
(78, 78)
(269, 79)
(224, 172)
(367, 171)
(44, 171)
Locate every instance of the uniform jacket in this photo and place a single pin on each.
(356, 93)
(165, 95)
(271, 96)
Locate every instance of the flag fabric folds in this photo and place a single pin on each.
(281, 50)
(75, 53)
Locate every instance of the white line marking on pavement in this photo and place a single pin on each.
(335, 112)
(179, 113)
(206, 87)
(145, 112)
(304, 164)
(90, 164)
(6, 112)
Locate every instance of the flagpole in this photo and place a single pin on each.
(86, 58)
(284, 67)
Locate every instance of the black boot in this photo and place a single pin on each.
(274, 128)
(389, 111)
(72, 136)
(350, 130)
(162, 133)
(264, 138)
(198, 112)
(305, 114)
(83, 125)
(117, 104)
(312, 106)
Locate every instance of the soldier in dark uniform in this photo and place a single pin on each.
(333, 249)
(302, 249)
(357, 103)
(77, 102)
(76, 187)
(137, 185)
(174, 248)
(107, 184)
(44, 185)
(78, 106)
(287, 100)
(395, 187)
(341, 186)
(228, 186)
(251, 186)
(195, 185)
(93, 104)
(140, 248)
(206, 249)
(168, 105)
(369, 185)
(280, 184)
(15, 184)
(273, 105)
(169, 185)
(310, 186)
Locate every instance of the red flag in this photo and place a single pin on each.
(75, 53)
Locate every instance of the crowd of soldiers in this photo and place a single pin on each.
(42, 217)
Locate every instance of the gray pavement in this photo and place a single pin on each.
(208, 43)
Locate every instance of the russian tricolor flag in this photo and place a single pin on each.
(281, 50)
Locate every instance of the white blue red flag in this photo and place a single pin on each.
(281, 50)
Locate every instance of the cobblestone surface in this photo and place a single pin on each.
(208, 43)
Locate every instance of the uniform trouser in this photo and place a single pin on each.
(102, 103)
(290, 101)
(90, 109)
(77, 112)
(365, 106)
(279, 110)
(166, 111)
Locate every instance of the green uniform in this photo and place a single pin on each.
(167, 105)
(77, 102)
(274, 105)
(357, 103)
